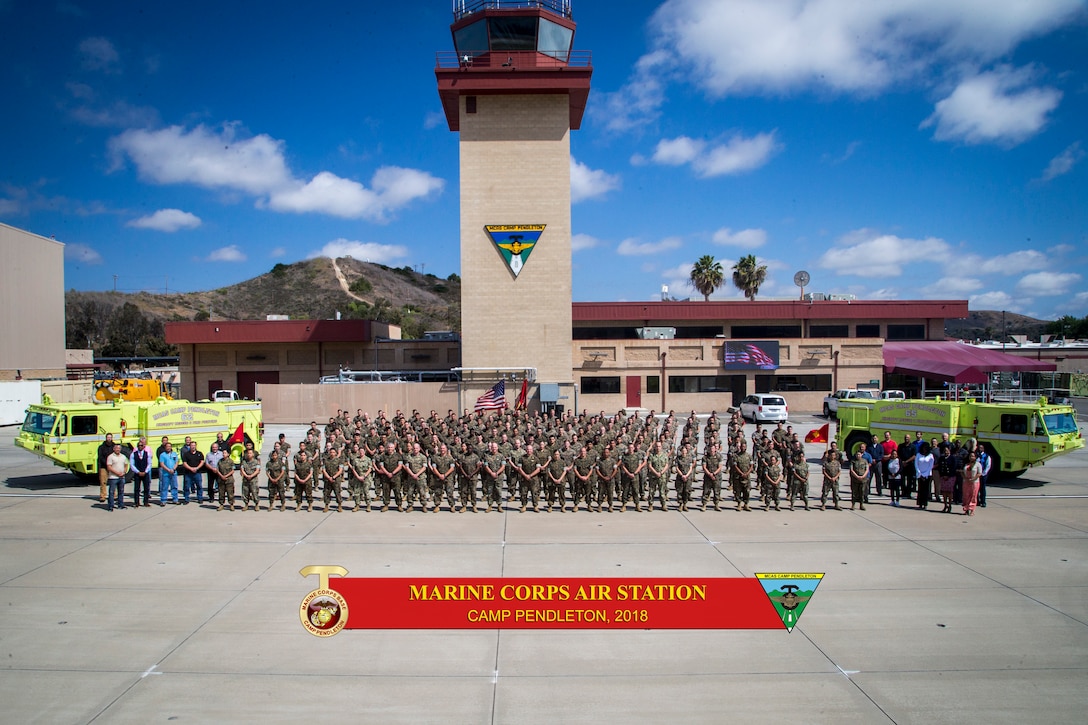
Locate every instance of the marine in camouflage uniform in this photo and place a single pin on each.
(528, 474)
(251, 485)
(583, 481)
(360, 472)
(442, 472)
(712, 477)
(657, 467)
(468, 471)
(332, 473)
(606, 477)
(685, 470)
(859, 481)
(832, 467)
(304, 480)
(631, 465)
(277, 475)
(492, 470)
(770, 479)
(388, 465)
(740, 476)
(556, 482)
(415, 479)
(225, 470)
(798, 484)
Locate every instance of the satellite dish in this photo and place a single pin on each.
(801, 278)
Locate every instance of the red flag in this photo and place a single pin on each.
(523, 395)
(238, 436)
(819, 435)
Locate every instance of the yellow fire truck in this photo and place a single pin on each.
(69, 433)
(1019, 435)
(130, 388)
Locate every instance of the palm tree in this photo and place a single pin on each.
(707, 276)
(748, 276)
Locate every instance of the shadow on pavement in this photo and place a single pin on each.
(45, 482)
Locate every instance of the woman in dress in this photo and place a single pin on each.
(923, 464)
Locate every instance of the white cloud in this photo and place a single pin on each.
(1016, 262)
(278, 253)
(853, 253)
(1064, 162)
(227, 254)
(677, 151)
(1047, 284)
(633, 247)
(735, 156)
(884, 293)
(587, 183)
(578, 242)
(754, 46)
(362, 251)
(99, 54)
(995, 300)
(81, 253)
(434, 119)
(167, 220)
(745, 238)
(212, 159)
(256, 165)
(949, 287)
(998, 107)
(678, 280)
(639, 101)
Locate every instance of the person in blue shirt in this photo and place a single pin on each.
(168, 474)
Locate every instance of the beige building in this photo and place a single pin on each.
(514, 90)
(31, 306)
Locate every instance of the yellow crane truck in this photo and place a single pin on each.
(1019, 435)
(68, 434)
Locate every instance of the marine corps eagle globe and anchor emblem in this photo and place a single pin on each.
(324, 612)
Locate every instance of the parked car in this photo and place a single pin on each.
(892, 395)
(764, 406)
(831, 402)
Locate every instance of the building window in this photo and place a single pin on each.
(868, 331)
(700, 383)
(829, 331)
(764, 332)
(906, 332)
(653, 383)
(600, 385)
(787, 383)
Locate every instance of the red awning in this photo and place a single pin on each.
(955, 362)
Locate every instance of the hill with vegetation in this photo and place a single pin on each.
(987, 325)
(116, 324)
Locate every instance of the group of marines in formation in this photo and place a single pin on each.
(599, 462)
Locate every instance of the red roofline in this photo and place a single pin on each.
(267, 331)
(662, 312)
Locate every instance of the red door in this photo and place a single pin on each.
(634, 391)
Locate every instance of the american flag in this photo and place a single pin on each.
(749, 355)
(493, 399)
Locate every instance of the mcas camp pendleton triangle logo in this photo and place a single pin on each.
(515, 242)
(790, 594)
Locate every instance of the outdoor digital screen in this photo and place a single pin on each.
(750, 355)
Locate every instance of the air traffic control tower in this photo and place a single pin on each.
(514, 89)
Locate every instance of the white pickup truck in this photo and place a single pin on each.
(831, 402)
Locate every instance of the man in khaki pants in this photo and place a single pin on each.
(104, 452)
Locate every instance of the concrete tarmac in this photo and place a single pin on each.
(187, 614)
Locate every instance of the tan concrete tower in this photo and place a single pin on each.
(514, 90)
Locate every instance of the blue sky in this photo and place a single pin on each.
(900, 149)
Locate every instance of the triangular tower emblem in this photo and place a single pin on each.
(515, 242)
(790, 594)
